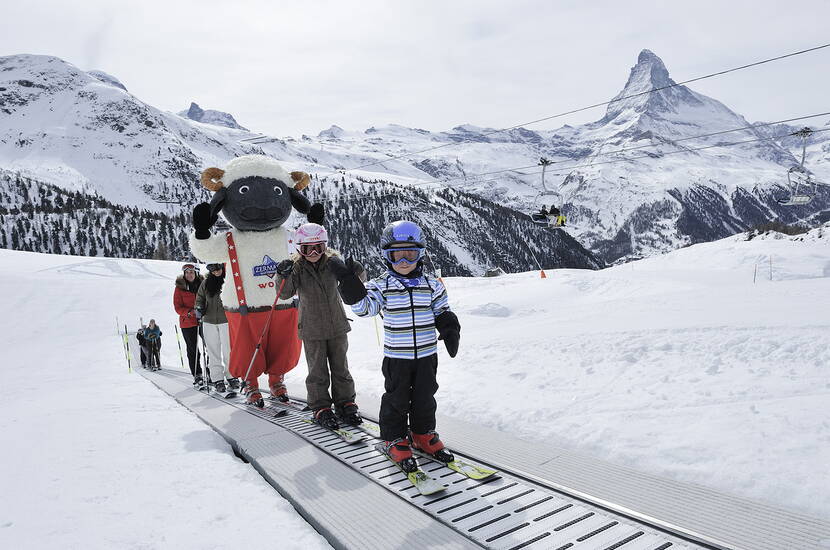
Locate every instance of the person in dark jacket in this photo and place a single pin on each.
(215, 333)
(184, 302)
(322, 325)
(152, 340)
(142, 345)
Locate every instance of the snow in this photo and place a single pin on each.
(95, 456)
(678, 365)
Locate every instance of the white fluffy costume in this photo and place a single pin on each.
(255, 195)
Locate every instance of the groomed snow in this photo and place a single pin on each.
(95, 456)
(678, 365)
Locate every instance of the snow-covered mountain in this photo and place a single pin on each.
(209, 116)
(84, 131)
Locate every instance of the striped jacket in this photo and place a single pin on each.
(408, 314)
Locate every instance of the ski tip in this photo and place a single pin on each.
(283, 412)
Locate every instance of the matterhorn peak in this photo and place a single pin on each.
(649, 90)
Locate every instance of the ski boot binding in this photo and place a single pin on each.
(254, 397)
(279, 392)
(326, 418)
(400, 453)
(431, 444)
(349, 414)
(233, 384)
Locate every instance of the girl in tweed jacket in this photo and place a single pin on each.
(413, 306)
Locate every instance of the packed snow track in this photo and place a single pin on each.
(504, 512)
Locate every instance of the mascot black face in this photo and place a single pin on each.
(255, 203)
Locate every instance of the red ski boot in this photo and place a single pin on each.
(277, 387)
(399, 452)
(254, 397)
(431, 444)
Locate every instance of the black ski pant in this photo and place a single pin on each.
(410, 386)
(191, 340)
(154, 353)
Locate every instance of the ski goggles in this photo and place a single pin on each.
(397, 256)
(215, 267)
(189, 267)
(312, 249)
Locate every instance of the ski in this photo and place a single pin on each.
(346, 435)
(419, 479)
(463, 467)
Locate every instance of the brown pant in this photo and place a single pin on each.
(322, 355)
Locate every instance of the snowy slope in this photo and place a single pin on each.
(677, 365)
(95, 457)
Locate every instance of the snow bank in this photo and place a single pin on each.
(95, 456)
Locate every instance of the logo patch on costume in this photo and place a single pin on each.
(268, 267)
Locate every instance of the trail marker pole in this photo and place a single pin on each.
(127, 349)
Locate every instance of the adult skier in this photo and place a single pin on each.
(211, 313)
(312, 275)
(413, 306)
(184, 302)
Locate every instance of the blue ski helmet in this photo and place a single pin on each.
(398, 233)
(401, 232)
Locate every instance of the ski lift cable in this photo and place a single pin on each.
(607, 153)
(624, 149)
(595, 105)
(729, 144)
(586, 165)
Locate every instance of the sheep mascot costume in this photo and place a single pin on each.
(255, 195)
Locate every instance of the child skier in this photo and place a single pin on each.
(152, 337)
(413, 306)
(311, 274)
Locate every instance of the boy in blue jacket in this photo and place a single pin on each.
(413, 306)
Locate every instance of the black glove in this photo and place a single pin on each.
(449, 330)
(203, 220)
(285, 267)
(342, 269)
(316, 213)
(338, 267)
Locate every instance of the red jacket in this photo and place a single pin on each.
(184, 301)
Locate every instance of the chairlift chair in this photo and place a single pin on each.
(802, 186)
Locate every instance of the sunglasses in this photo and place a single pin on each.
(398, 256)
(315, 249)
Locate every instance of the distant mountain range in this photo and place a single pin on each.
(84, 132)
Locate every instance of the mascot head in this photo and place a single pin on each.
(255, 193)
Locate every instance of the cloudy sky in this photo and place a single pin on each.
(286, 68)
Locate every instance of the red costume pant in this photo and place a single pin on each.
(280, 349)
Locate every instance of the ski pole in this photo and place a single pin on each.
(178, 341)
(261, 336)
(127, 343)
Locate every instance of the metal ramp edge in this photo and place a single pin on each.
(505, 512)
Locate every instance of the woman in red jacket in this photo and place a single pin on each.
(184, 301)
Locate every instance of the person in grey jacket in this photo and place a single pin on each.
(313, 276)
(210, 311)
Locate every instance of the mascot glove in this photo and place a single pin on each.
(203, 220)
(285, 267)
(449, 330)
(316, 214)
